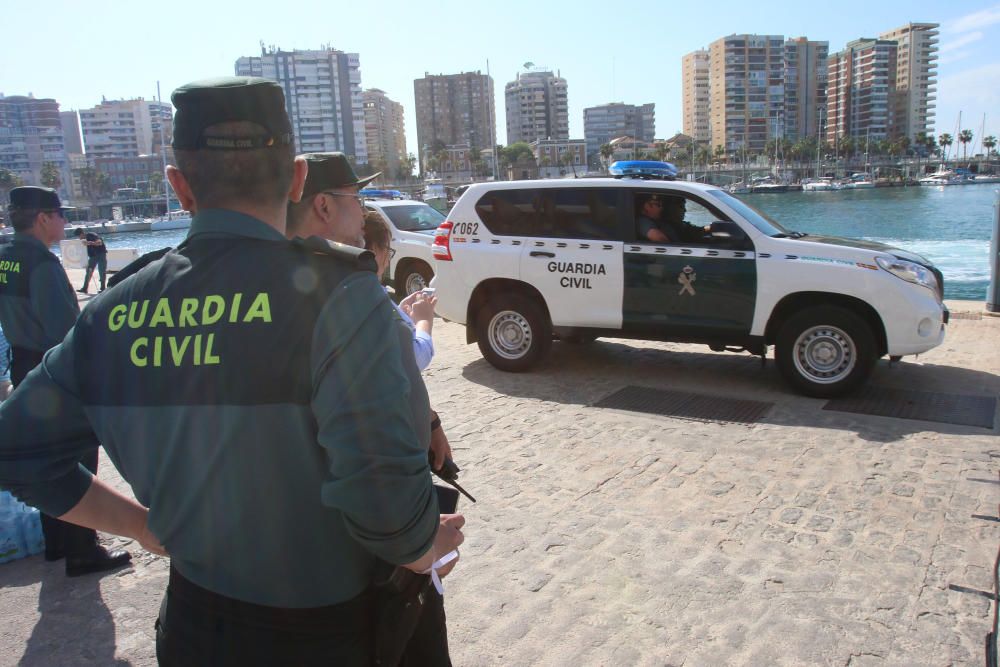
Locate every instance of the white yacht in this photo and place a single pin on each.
(173, 220)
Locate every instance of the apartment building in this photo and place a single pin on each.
(805, 87)
(31, 134)
(746, 91)
(322, 94)
(454, 110)
(916, 77)
(861, 91)
(537, 106)
(125, 128)
(385, 134)
(695, 95)
(71, 132)
(560, 157)
(603, 123)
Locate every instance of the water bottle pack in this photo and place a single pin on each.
(20, 529)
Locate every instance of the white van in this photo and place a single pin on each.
(522, 262)
(412, 224)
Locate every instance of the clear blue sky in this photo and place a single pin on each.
(608, 51)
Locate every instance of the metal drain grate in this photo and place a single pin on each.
(923, 406)
(684, 405)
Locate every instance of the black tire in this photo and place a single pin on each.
(513, 332)
(825, 351)
(412, 277)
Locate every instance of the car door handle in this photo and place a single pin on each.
(541, 253)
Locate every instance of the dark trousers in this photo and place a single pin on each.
(60, 537)
(199, 627)
(429, 644)
(101, 263)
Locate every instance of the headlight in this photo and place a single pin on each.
(908, 271)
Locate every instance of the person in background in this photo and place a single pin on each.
(417, 310)
(97, 257)
(331, 206)
(37, 308)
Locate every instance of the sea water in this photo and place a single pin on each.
(951, 226)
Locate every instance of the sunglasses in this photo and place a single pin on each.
(358, 198)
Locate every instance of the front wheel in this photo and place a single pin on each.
(825, 351)
(513, 332)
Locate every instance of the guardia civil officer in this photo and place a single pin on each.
(252, 392)
(37, 308)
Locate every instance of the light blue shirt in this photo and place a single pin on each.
(423, 344)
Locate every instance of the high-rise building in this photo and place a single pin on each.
(385, 134)
(860, 91)
(322, 94)
(125, 128)
(747, 91)
(537, 107)
(805, 87)
(31, 134)
(916, 77)
(454, 110)
(71, 132)
(603, 123)
(695, 95)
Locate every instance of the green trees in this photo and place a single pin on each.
(965, 138)
(607, 150)
(51, 177)
(989, 143)
(945, 141)
(8, 181)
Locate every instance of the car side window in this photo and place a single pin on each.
(682, 218)
(567, 213)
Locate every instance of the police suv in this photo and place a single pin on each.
(412, 224)
(522, 262)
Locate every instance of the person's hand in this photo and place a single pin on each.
(422, 308)
(449, 537)
(406, 304)
(440, 449)
(148, 541)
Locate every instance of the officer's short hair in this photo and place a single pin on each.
(220, 178)
(23, 219)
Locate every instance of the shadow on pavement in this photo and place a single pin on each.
(583, 374)
(75, 626)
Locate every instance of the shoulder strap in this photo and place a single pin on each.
(358, 258)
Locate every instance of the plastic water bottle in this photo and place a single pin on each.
(30, 526)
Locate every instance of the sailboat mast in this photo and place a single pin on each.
(163, 153)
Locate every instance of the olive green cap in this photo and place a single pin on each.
(202, 104)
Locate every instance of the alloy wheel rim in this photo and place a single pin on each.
(824, 354)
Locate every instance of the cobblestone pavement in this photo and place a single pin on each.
(604, 537)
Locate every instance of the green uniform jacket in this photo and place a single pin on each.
(37, 303)
(262, 400)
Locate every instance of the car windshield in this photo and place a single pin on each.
(413, 217)
(750, 214)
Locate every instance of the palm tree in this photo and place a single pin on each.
(8, 181)
(989, 143)
(607, 150)
(965, 138)
(945, 141)
(51, 178)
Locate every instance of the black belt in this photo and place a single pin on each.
(310, 620)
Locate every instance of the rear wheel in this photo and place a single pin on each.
(513, 332)
(825, 351)
(412, 277)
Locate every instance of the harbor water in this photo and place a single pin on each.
(951, 226)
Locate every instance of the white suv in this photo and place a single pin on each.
(412, 224)
(522, 262)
